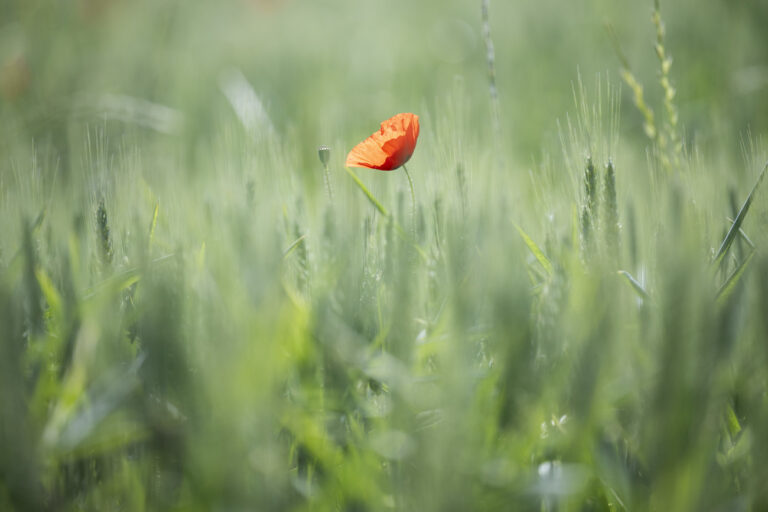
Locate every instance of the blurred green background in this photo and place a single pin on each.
(570, 316)
(323, 68)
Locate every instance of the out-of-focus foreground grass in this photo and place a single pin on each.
(573, 319)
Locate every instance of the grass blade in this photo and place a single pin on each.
(153, 224)
(293, 245)
(743, 235)
(635, 285)
(729, 286)
(375, 202)
(537, 252)
(736, 226)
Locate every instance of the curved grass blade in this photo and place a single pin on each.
(635, 285)
(743, 235)
(375, 202)
(736, 226)
(293, 246)
(119, 281)
(729, 286)
(50, 293)
(537, 252)
(153, 224)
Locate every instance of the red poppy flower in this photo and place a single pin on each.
(388, 148)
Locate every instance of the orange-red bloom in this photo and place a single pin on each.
(388, 148)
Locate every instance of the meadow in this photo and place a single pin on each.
(200, 311)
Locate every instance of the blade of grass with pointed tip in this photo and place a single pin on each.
(113, 284)
(119, 281)
(537, 252)
(375, 202)
(293, 246)
(729, 286)
(736, 226)
(743, 235)
(153, 224)
(50, 293)
(734, 426)
(635, 285)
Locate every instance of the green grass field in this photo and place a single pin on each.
(195, 316)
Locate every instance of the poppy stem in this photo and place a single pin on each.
(413, 203)
(375, 202)
(385, 212)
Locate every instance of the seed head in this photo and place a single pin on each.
(324, 152)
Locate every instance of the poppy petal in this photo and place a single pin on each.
(390, 147)
(366, 154)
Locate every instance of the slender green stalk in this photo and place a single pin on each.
(671, 139)
(105, 237)
(726, 290)
(589, 210)
(413, 203)
(491, 59)
(611, 208)
(375, 202)
(649, 124)
(324, 153)
(327, 177)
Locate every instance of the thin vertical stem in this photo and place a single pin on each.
(413, 203)
(324, 153)
(491, 62)
(327, 177)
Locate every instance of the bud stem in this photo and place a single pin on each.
(327, 177)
